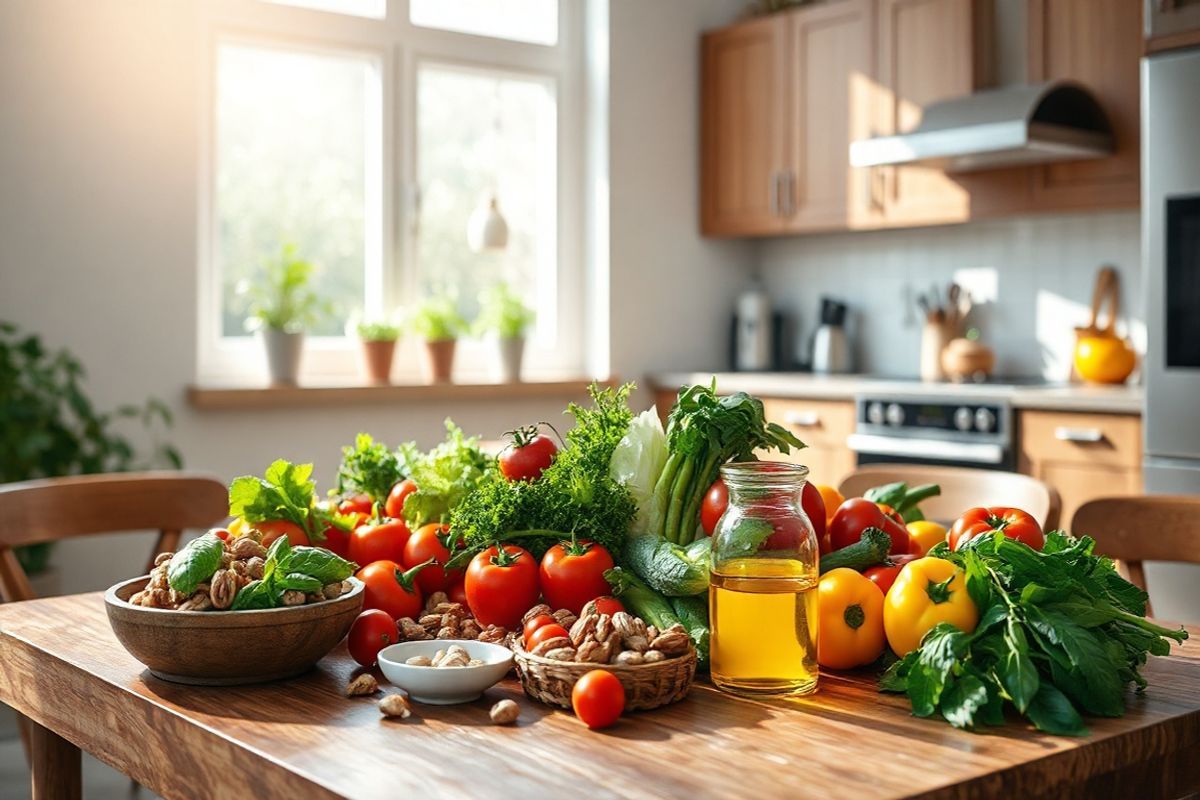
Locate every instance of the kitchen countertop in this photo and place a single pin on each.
(1126, 399)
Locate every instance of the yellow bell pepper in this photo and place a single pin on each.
(851, 614)
(927, 591)
(925, 534)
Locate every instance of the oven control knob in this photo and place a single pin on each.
(985, 420)
(895, 415)
(875, 413)
(963, 418)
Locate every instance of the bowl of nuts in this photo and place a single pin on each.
(445, 671)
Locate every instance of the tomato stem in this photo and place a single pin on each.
(406, 579)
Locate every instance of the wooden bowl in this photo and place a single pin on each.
(226, 648)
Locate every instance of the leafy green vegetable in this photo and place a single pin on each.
(902, 498)
(284, 492)
(637, 461)
(1060, 632)
(301, 568)
(318, 563)
(257, 595)
(370, 468)
(693, 613)
(300, 583)
(671, 569)
(195, 563)
(444, 476)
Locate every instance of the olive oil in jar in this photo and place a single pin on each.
(764, 627)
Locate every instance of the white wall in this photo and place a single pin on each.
(1037, 274)
(98, 171)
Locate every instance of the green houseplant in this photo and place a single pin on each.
(507, 318)
(280, 305)
(438, 321)
(52, 429)
(378, 338)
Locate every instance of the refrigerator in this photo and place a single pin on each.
(1171, 261)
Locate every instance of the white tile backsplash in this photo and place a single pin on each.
(1032, 278)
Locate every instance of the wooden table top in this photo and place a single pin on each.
(61, 665)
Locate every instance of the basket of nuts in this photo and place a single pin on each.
(655, 667)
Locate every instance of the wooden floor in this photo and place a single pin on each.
(99, 781)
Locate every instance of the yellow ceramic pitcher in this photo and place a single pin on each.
(1100, 355)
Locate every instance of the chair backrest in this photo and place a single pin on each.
(62, 508)
(962, 488)
(1136, 529)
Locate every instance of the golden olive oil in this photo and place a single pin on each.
(763, 614)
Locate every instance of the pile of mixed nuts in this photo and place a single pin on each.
(621, 639)
(445, 620)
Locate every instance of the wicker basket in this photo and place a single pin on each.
(646, 685)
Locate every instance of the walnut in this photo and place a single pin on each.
(330, 590)
(223, 588)
(493, 634)
(410, 631)
(565, 618)
(434, 600)
(226, 559)
(151, 598)
(254, 568)
(142, 598)
(469, 629)
(632, 630)
(671, 643)
(447, 633)
(592, 652)
(174, 598)
(420, 661)
(455, 610)
(504, 712)
(162, 559)
(245, 549)
(314, 597)
(651, 632)
(293, 597)
(589, 609)
(583, 628)
(200, 601)
(540, 608)
(551, 644)
(395, 705)
(561, 654)
(651, 656)
(364, 684)
(158, 578)
(604, 626)
(432, 623)
(630, 658)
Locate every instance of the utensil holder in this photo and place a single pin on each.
(934, 338)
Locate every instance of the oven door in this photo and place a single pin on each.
(872, 448)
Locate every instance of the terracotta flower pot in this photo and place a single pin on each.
(439, 360)
(377, 360)
(510, 353)
(283, 355)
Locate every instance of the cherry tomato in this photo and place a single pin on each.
(608, 605)
(430, 541)
(534, 623)
(457, 592)
(528, 455)
(598, 698)
(545, 633)
(394, 505)
(814, 508)
(855, 516)
(716, 500)
(372, 631)
(884, 575)
(275, 528)
(1013, 522)
(501, 584)
(221, 533)
(391, 589)
(379, 541)
(358, 504)
(572, 573)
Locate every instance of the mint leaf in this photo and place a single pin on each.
(1050, 711)
(257, 595)
(318, 563)
(300, 583)
(962, 700)
(939, 651)
(195, 563)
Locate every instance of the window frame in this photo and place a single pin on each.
(399, 47)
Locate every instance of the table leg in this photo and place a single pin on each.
(56, 765)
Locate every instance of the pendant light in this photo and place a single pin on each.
(487, 230)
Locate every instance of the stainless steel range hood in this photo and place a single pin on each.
(1006, 127)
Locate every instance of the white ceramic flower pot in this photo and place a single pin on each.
(508, 361)
(283, 355)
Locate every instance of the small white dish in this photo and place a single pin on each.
(444, 686)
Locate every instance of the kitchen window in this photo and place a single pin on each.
(365, 134)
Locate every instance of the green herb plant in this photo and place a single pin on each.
(1060, 634)
(503, 313)
(377, 330)
(285, 492)
(444, 476)
(437, 319)
(281, 299)
(371, 468)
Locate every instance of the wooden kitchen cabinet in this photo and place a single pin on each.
(1083, 456)
(1097, 43)
(824, 426)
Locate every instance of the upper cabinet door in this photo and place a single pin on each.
(926, 54)
(832, 95)
(1097, 43)
(743, 128)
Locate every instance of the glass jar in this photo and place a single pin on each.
(763, 595)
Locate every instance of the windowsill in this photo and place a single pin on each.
(212, 397)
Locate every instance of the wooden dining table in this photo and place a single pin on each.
(62, 667)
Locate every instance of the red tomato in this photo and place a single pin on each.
(544, 633)
(572, 573)
(716, 500)
(598, 698)
(392, 590)
(501, 584)
(884, 575)
(394, 506)
(1013, 522)
(372, 631)
(430, 541)
(379, 541)
(534, 623)
(221, 533)
(336, 541)
(457, 591)
(608, 605)
(275, 528)
(528, 455)
(814, 508)
(358, 504)
(855, 516)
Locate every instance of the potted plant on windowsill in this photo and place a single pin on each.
(506, 318)
(280, 306)
(439, 323)
(378, 338)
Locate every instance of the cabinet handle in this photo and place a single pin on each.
(802, 419)
(773, 196)
(789, 193)
(1085, 435)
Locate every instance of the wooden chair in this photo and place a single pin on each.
(1137, 529)
(962, 488)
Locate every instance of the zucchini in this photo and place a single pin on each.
(640, 599)
(870, 550)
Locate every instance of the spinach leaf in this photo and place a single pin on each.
(257, 595)
(1052, 712)
(300, 583)
(318, 563)
(195, 563)
(963, 699)
(937, 656)
(1016, 671)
